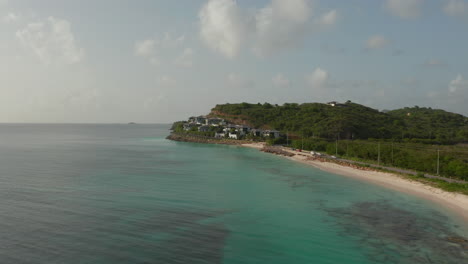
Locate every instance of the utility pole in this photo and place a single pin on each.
(392, 152)
(336, 148)
(378, 157)
(438, 157)
(302, 141)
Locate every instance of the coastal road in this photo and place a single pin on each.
(397, 170)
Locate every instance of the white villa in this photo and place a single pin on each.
(224, 130)
(271, 133)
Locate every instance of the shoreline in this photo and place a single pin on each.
(456, 202)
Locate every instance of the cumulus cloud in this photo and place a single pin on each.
(152, 49)
(11, 18)
(280, 81)
(52, 41)
(456, 8)
(223, 26)
(376, 42)
(145, 48)
(185, 59)
(166, 81)
(281, 24)
(329, 18)
(404, 8)
(457, 84)
(318, 79)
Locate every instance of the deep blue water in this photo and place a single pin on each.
(125, 194)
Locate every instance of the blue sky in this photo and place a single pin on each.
(160, 61)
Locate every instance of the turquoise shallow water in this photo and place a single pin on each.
(124, 194)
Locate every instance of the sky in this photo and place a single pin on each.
(159, 61)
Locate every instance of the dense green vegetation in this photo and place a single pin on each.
(407, 138)
(413, 156)
(351, 121)
(433, 124)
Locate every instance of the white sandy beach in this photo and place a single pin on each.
(456, 202)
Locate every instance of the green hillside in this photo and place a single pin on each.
(350, 121)
(421, 122)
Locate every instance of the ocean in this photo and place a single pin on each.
(124, 194)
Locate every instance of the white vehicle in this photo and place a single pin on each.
(333, 157)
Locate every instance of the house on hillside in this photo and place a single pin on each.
(233, 135)
(188, 126)
(199, 120)
(203, 128)
(242, 130)
(271, 133)
(228, 128)
(215, 121)
(334, 103)
(256, 132)
(220, 135)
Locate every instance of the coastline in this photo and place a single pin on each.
(456, 202)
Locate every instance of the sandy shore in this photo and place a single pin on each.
(456, 202)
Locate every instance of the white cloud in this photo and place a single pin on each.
(318, 79)
(376, 42)
(280, 81)
(166, 81)
(11, 18)
(52, 41)
(185, 59)
(223, 26)
(280, 25)
(170, 41)
(329, 18)
(145, 48)
(455, 8)
(457, 84)
(404, 8)
(152, 49)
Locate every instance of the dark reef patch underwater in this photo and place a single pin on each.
(398, 236)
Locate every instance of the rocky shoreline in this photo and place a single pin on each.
(277, 151)
(205, 140)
